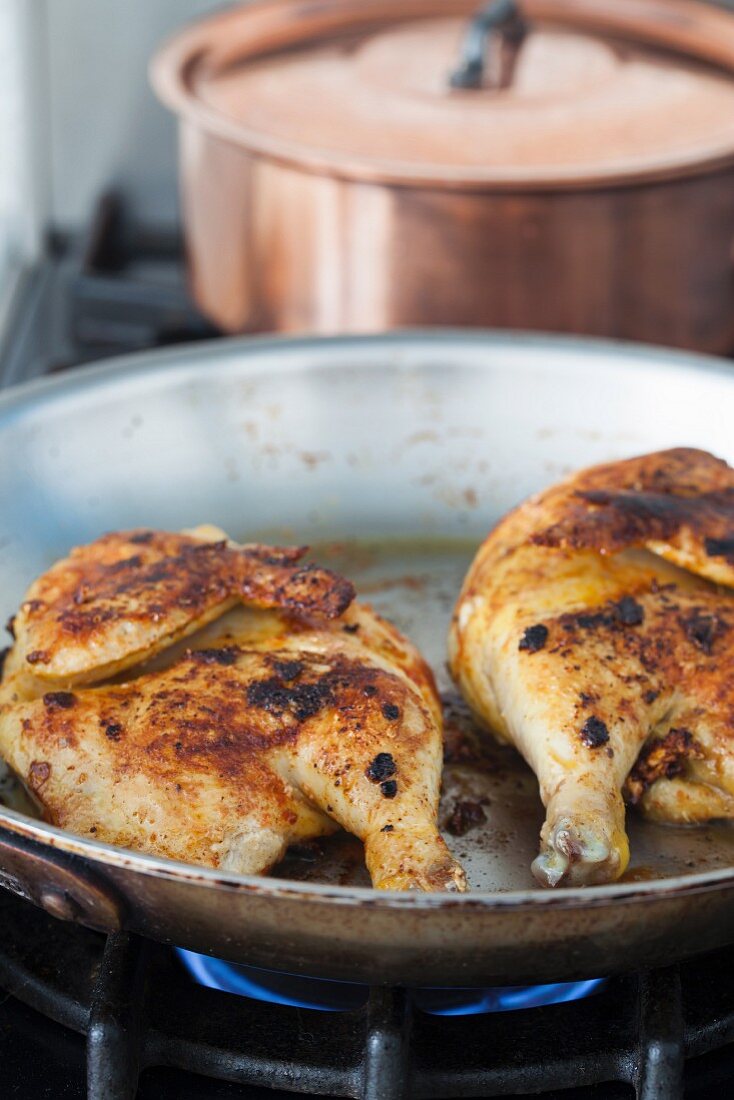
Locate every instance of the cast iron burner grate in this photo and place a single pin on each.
(115, 288)
(138, 1009)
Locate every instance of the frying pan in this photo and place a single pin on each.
(395, 454)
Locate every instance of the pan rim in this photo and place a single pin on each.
(247, 355)
(108, 855)
(143, 363)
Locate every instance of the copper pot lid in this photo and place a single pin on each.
(557, 93)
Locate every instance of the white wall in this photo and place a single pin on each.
(106, 126)
(24, 176)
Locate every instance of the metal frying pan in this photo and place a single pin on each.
(412, 445)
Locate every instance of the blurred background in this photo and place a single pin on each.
(93, 118)
(78, 119)
(91, 256)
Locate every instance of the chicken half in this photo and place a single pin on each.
(595, 632)
(276, 721)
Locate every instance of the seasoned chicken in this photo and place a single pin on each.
(580, 639)
(265, 728)
(118, 600)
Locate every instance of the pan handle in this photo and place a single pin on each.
(58, 882)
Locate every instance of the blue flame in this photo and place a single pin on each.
(473, 1002)
(330, 996)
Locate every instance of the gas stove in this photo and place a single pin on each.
(113, 289)
(111, 1018)
(150, 1027)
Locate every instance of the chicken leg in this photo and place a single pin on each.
(580, 639)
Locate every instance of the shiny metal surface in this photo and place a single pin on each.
(344, 187)
(412, 445)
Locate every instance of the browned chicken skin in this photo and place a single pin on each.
(265, 727)
(112, 603)
(610, 669)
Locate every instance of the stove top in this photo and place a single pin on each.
(114, 289)
(111, 1018)
(143, 1015)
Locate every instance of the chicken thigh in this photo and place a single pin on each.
(264, 728)
(595, 632)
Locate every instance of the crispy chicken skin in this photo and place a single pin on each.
(112, 603)
(580, 639)
(264, 728)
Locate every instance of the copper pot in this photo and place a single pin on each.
(356, 165)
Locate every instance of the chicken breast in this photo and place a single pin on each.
(264, 728)
(579, 638)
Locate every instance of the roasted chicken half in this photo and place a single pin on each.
(595, 632)
(275, 721)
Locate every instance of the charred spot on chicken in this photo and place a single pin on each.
(594, 732)
(382, 767)
(534, 638)
(64, 699)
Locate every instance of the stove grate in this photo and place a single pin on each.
(138, 1010)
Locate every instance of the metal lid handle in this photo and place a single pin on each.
(504, 19)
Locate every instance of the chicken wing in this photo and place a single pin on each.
(116, 601)
(580, 639)
(262, 729)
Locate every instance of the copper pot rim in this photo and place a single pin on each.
(172, 66)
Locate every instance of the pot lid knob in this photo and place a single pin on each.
(494, 35)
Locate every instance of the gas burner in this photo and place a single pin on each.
(297, 991)
(140, 1012)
